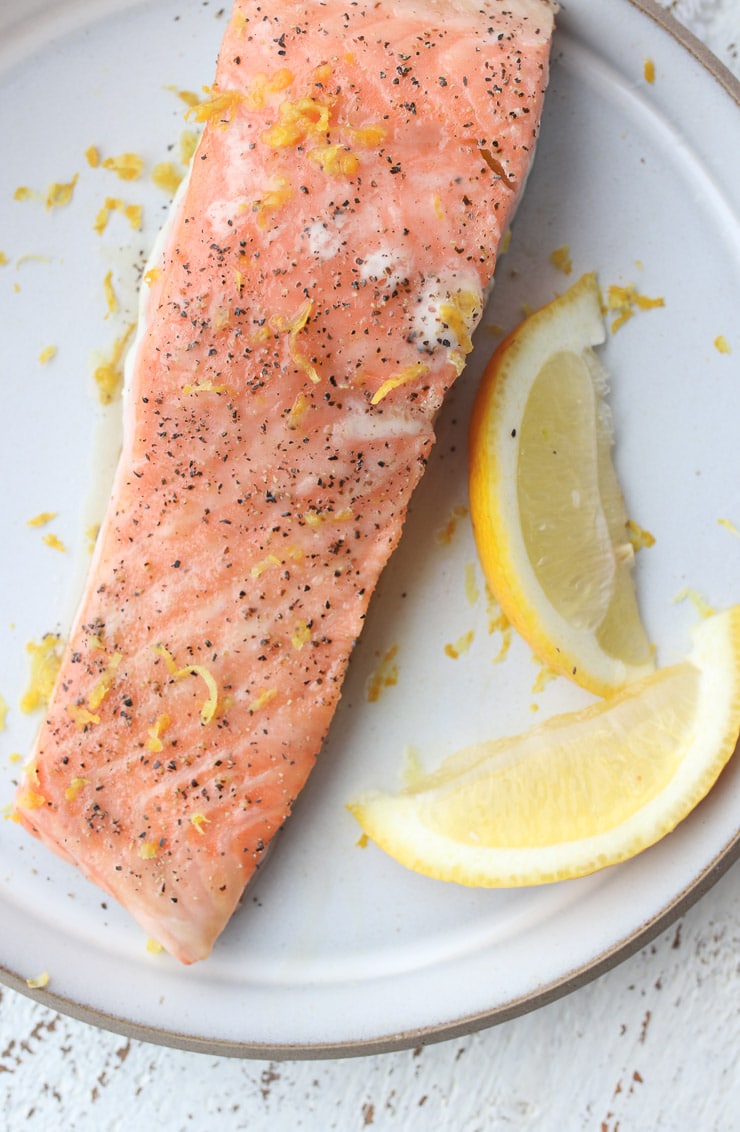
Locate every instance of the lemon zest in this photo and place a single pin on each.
(46, 661)
(41, 519)
(625, 300)
(31, 800)
(560, 258)
(4, 709)
(59, 193)
(297, 411)
(110, 295)
(271, 200)
(729, 526)
(198, 821)
(293, 325)
(699, 602)
(189, 97)
(544, 677)
(109, 373)
(301, 635)
(167, 177)
(38, 981)
(407, 374)
(444, 534)
(154, 946)
(264, 698)
(384, 676)
(298, 120)
(154, 740)
(265, 564)
(218, 108)
(127, 166)
(54, 542)
(208, 710)
(81, 716)
(74, 788)
(336, 160)
(47, 354)
(648, 71)
(104, 682)
(148, 850)
(92, 155)
(638, 536)
(722, 345)
(461, 645)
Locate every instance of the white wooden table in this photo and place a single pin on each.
(653, 1044)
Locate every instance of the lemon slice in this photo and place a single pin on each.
(581, 791)
(547, 510)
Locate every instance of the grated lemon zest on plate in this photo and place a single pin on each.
(167, 177)
(625, 300)
(560, 258)
(41, 519)
(46, 660)
(54, 542)
(638, 536)
(699, 602)
(111, 300)
(443, 535)
(460, 646)
(47, 354)
(59, 193)
(722, 345)
(384, 676)
(729, 526)
(38, 981)
(108, 374)
(127, 166)
(198, 821)
(4, 709)
(92, 156)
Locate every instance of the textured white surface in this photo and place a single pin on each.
(651, 1045)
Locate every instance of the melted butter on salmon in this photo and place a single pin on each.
(311, 301)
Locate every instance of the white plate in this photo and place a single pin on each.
(336, 949)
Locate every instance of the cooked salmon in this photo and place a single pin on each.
(312, 300)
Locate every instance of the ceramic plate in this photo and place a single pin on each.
(336, 949)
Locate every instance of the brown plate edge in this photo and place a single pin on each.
(526, 1004)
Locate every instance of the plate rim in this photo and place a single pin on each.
(559, 987)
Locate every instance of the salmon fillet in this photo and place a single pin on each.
(312, 300)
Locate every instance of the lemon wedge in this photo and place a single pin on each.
(547, 510)
(583, 790)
